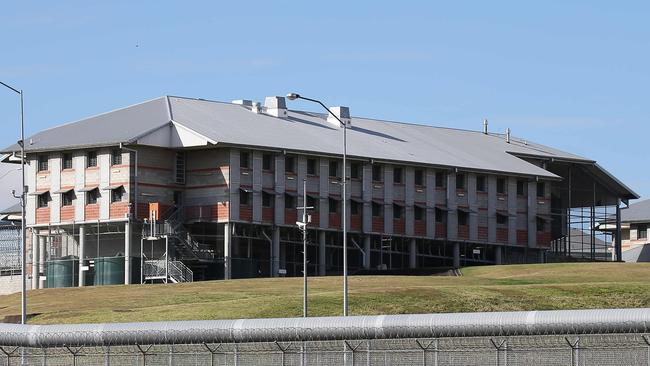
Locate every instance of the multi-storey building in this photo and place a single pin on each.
(225, 180)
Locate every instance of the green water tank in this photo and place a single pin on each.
(109, 271)
(62, 272)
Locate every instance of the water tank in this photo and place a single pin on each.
(62, 272)
(109, 271)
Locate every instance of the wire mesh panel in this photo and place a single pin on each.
(581, 350)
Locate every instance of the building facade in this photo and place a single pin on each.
(215, 189)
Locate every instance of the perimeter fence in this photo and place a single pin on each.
(589, 337)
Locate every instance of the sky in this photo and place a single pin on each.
(572, 75)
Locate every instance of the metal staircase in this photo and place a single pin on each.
(166, 271)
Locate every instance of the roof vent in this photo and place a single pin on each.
(343, 113)
(244, 102)
(275, 106)
(485, 126)
(508, 135)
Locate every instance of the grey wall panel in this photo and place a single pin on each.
(532, 214)
(55, 185)
(492, 208)
(257, 186)
(79, 165)
(409, 190)
(431, 202)
(512, 210)
(233, 187)
(472, 202)
(104, 163)
(452, 206)
(367, 197)
(388, 199)
(324, 193)
(279, 189)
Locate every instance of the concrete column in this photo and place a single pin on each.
(275, 252)
(366, 248)
(413, 252)
(456, 255)
(227, 263)
(82, 255)
(43, 244)
(35, 245)
(541, 256)
(322, 254)
(498, 255)
(127, 253)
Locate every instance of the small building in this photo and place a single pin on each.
(185, 189)
(635, 220)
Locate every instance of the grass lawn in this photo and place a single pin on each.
(489, 288)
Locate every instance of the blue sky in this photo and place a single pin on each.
(573, 75)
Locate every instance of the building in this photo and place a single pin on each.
(635, 220)
(223, 181)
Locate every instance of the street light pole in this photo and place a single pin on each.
(23, 255)
(294, 96)
(303, 226)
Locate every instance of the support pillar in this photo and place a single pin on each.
(275, 252)
(35, 245)
(127, 253)
(322, 254)
(45, 242)
(227, 263)
(456, 255)
(498, 255)
(366, 248)
(618, 240)
(82, 255)
(413, 253)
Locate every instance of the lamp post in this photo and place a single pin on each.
(294, 96)
(303, 227)
(23, 255)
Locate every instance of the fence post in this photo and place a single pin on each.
(212, 351)
(282, 349)
(574, 350)
(347, 345)
(74, 354)
(425, 348)
(144, 353)
(107, 356)
(498, 345)
(8, 353)
(647, 342)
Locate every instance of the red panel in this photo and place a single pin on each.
(398, 226)
(118, 210)
(245, 213)
(502, 234)
(544, 239)
(420, 227)
(378, 224)
(355, 222)
(482, 233)
(441, 230)
(335, 220)
(91, 212)
(267, 214)
(222, 211)
(522, 237)
(290, 216)
(463, 232)
(67, 213)
(43, 215)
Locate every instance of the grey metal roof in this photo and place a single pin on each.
(637, 212)
(12, 209)
(233, 124)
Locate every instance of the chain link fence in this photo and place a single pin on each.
(573, 350)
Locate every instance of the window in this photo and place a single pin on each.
(398, 174)
(440, 179)
(244, 159)
(502, 219)
(355, 171)
(354, 208)
(289, 201)
(462, 217)
(312, 166)
(92, 197)
(91, 159)
(480, 183)
(377, 175)
(460, 181)
(540, 189)
(377, 209)
(419, 177)
(267, 162)
(43, 200)
(244, 197)
(642, 232)
(67, 198)
(312, 202)
(521, 188)
(180, 168)
(541, 224)
(267, 200)
(334, 169)
(418, 213)
(397, 211)
(289, 164)
(67, 161)
(441, 215)
(117, 194)
(116, 157)
(42, 163)
(333, 206)
(501, 185)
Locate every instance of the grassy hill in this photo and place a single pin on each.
(490, 288)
